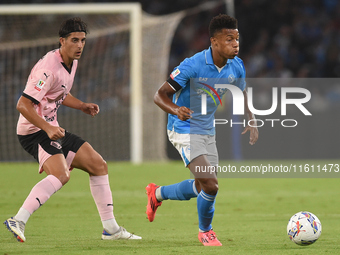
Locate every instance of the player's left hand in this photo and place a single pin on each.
(90, 108)
(254, 134)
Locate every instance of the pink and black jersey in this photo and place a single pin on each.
(47, 86)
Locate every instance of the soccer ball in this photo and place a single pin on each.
(304, 228)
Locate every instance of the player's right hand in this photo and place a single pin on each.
(183, 113)
(55, 133)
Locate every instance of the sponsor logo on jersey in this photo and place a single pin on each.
(40, 85)
(175, 73)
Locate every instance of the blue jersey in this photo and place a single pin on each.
(196, 76)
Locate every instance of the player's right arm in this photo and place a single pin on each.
(163, 98)
(26, 107)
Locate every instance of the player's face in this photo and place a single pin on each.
(73, 45)
(226, 43)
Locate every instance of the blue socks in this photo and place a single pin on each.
(184, 190)
(205, 209)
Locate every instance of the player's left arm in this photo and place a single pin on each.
(88, 108)
(254, 132)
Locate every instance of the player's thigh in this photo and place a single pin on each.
(56, 165)
(205, 176)
(212, 151)
(201, 168)
(89, 160)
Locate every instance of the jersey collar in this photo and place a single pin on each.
(62, 62)
(208, 57)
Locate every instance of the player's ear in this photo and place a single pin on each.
(212, 40)
(62, 41)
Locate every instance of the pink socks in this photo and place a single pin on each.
(40, 193)
(101, 192)
(100, 189)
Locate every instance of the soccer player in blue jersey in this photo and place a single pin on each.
(196, 143)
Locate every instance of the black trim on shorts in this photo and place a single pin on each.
(174, 84)
(31, 98)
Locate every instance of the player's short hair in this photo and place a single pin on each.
(72, 25)
(220, 22)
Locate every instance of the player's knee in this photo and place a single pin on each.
(98, 166)
(212, 188)
(103, 169)
(64, 177)
(209, 186)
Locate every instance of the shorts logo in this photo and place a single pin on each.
(40, 85)
(56, 145)
(175, 73)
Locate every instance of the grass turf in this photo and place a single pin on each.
(250, 218)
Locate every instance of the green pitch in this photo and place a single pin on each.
(250, 218)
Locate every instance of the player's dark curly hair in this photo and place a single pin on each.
(72, 25)
(221, 21)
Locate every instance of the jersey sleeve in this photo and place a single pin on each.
(38, 84)
(181, 75)
(241, 83)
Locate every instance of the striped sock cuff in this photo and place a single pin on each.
(207, 197)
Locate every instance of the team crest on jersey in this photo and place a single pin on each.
(175, 73)
(231, 78)
(40, 85)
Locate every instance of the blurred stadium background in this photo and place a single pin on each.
(289, 39)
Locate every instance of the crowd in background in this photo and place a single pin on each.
(282, 38)
(278, 39)
(290, 38)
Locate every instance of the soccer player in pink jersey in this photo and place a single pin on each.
(57, 150)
